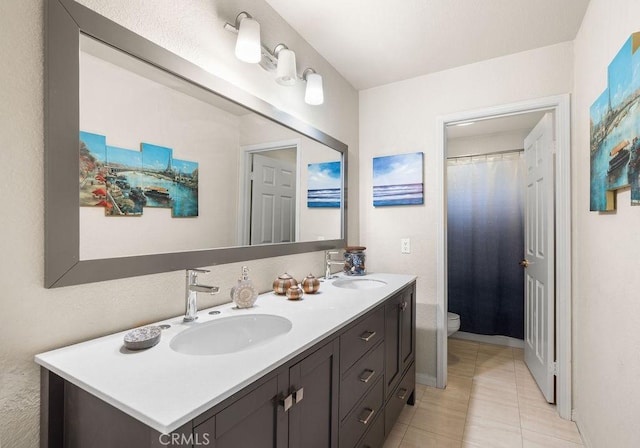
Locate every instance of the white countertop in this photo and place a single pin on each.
(165, 389)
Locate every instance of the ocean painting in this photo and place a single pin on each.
(324, 184)
(398, 180)
(615, 128)
(124, 181)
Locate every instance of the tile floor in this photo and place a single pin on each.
(491, 401)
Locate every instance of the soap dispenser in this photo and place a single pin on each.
(244, 294)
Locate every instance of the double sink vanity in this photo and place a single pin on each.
(332, 370)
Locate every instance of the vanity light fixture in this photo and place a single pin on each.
(282, 60)
(248, 44)
(313, 94)
(286, 74)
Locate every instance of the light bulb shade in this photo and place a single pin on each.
(248, 42)
(286, 74)
(314, 94)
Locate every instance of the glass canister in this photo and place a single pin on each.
(354, 260)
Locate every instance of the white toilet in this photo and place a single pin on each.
(453, 323)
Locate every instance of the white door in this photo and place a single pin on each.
(539, 351)
(273, 200)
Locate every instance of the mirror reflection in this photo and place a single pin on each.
(167, 166)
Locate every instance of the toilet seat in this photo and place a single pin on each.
(453, 323)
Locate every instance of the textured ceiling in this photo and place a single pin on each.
(376, 42)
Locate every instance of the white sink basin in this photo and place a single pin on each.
(358, 283)
(230, 334)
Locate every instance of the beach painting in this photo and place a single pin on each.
(398, 180)
(124, 181)
(324, 182)
(615, 131)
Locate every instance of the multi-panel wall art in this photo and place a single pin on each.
(124, 181)
(615, 127)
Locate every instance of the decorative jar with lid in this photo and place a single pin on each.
(310, 284)
(354, 260)
(283, 282)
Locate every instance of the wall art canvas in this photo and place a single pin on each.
(324, 184)
(124, 181)
(398, 180)
(615, 128)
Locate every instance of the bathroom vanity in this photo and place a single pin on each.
(338, 378)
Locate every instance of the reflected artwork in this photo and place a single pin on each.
(124, 181)
(324, 184)
(615, 127)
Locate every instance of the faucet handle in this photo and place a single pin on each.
(199, 271)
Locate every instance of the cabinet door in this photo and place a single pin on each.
(407, 330)
(313, 419)
(392, 340)
(251, 421)
(400, 336)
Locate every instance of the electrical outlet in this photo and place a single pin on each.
(405, 246)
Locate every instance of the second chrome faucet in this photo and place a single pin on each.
(191, 293)
(331, 262)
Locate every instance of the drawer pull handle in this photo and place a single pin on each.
(367, 335)
(286, 402)
(403, 393)
(298, 395)
(365, 379)
(403, 306)
(365, 420)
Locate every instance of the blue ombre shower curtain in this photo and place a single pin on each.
(485, 238)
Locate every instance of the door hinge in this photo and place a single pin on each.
(554, 368)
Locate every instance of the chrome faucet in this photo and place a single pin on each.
(330, 262)
(192, 290)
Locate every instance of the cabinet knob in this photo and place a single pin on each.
(367, 335)
(286, 402)
(298, 395)
(367, 375)
(366, 415)
(403, 306)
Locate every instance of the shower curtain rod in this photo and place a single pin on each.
(487, 154)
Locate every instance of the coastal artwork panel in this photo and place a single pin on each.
(324, 182)
(398, 180)
(615, 128)
(124, 181)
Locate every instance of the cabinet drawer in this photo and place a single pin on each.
(374, 438)
(362, 416)
(360, 339)
(399, 398)
(360, 378)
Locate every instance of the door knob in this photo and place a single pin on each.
(524, 263)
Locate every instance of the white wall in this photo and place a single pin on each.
(400, 118)
(605, 249)
(35, 319)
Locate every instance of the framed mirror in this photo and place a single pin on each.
(177, 168)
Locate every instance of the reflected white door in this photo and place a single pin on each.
(539, 344)
(273, 201)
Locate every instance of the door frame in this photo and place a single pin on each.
(244, 185)
(560, 105)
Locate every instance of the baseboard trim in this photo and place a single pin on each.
(585, 440)
(425, 380)
(487, 339)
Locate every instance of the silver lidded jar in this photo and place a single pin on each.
(354, 260)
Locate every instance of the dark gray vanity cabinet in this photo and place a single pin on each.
(296, 407)
(400, 341)
(346, 391)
